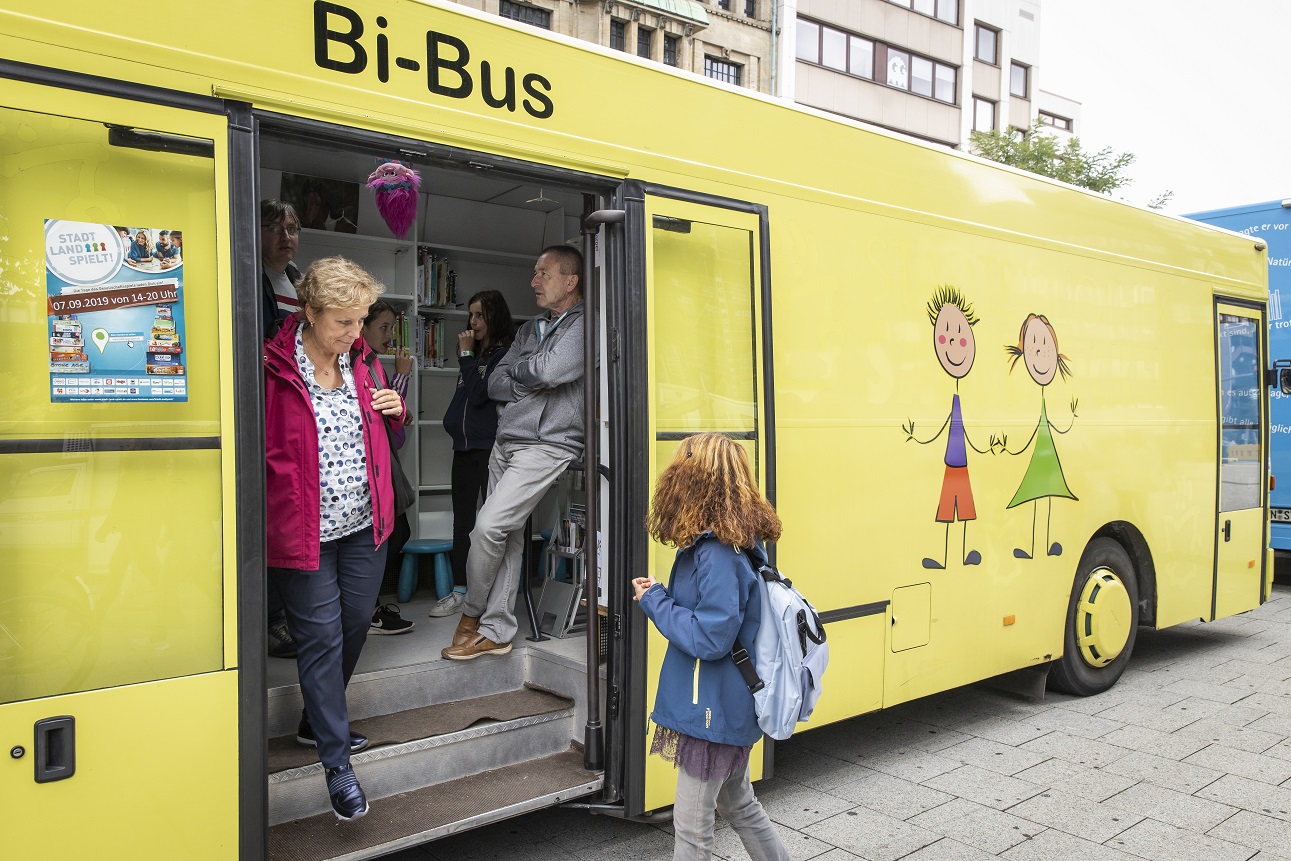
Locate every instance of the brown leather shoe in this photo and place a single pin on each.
(466, 627)
(476, 646)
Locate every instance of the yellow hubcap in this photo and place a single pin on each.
(1103, 618)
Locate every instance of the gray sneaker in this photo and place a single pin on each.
(449, 605)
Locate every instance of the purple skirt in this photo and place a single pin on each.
(702, 760)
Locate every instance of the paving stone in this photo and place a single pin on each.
(890, 795)
(1276, 671)
(816, 770)
(1075, 723)
(1180, 776)
(906, 763)
(1076, 816)
(1252, 829)
(985, 787)
(1054, 845)
(1169, 745)
(835, 854)
(993, 756)
(1277, 722)
(1253, 795)
(871, 835)
(1094, 784)
(1209, 687)
(797, 806)
(1161, 842)
(1240, 762)
(1174, 808)
(1082, 751)
(727, 844)
(1224, 732)
(948, 850)
(976, 825)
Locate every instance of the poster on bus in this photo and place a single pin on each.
(116, 312)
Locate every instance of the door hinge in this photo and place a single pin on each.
(617, 626)
(613, 705)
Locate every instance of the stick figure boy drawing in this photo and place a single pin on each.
(952, 340)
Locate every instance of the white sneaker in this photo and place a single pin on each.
(449, 605)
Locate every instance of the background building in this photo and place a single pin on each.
(935, 69)
(729, 40)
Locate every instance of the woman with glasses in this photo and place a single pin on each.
(279, 237)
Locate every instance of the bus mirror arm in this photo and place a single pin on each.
(1279, 376)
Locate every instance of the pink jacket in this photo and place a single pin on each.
(291, 453)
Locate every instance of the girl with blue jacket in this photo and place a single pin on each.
(708, 505)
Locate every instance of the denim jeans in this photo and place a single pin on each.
(693, 822)
(329, 612)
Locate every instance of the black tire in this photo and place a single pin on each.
(1082, 671)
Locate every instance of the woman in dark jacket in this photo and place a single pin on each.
(330, 500)
(472, 421)
(708, 505)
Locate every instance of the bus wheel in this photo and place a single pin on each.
(1102, 621)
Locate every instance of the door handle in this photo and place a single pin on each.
(1228, 530)
(55, 748)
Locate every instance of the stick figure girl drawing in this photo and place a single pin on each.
(952, 320)
(1037, 347)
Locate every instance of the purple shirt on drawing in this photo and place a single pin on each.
(956, 453)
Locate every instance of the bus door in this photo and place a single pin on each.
(1240, 530)
(117, 716)
(704, 310)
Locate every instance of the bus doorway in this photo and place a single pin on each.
(454, 744)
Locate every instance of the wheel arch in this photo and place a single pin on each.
(1145, 573)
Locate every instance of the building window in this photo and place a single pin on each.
(856, 55)
(618, 37)
(722, 70)
(988, 44)
(724, 4)
(1019, 76)
(943, 10)
(525, 14)
(645, 41)
(1061, 123)
(670, 49)
(983, 115)
(750, 8)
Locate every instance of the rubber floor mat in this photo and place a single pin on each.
(426, 722)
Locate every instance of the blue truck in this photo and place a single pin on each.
(1271, 222)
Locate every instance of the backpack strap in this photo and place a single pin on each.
(744, 663)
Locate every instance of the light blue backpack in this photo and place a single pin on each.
(788, 657)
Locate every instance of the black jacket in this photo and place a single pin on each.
(270, 313)
(472, 418)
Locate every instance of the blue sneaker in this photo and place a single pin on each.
(348, 800)
(305, 736)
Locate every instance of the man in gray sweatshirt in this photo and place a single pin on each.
(540, 432)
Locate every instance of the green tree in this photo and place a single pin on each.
(1037, 151)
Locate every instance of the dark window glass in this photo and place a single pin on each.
(617, 35)
(525, 14)
(751, 8)
(645, 41)
(722, 70)
(670, 49)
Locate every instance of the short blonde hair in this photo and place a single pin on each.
(335, 282)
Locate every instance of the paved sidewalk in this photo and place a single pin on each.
(1188, 757)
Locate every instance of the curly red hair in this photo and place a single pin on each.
(710, 486)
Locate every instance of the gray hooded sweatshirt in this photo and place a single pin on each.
(540, 385)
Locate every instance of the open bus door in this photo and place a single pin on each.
(1240, 541)
(118, 713)
(708, 364)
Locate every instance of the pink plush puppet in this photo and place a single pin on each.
(395, 186)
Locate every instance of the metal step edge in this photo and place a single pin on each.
(574, 790)
(396, 769)
(391, 751)
(539, 803)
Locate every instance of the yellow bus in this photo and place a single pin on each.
(1005, 421)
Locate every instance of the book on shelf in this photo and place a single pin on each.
(436, 283)
(573, 528)
(431, 342)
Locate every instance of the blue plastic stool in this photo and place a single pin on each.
(408, 576)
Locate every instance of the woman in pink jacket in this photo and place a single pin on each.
(330, 500)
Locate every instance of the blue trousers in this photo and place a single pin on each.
(328, 613)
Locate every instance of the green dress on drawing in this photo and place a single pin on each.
(1044, 473)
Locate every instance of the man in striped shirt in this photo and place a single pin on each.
(279, 236)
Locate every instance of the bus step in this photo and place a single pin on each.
(411, 818)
